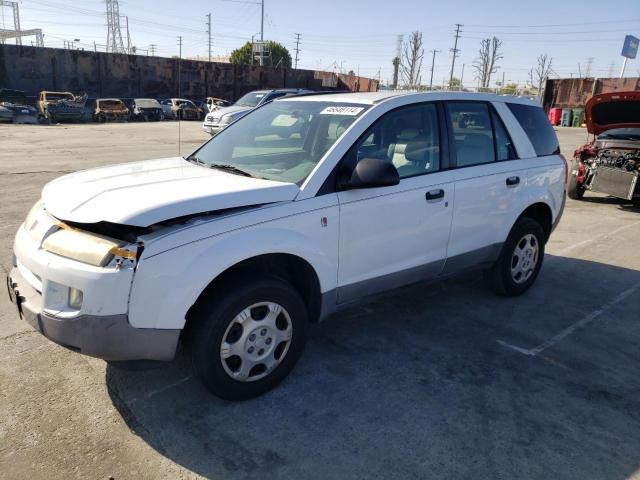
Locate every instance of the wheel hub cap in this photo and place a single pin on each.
(525, 258)
(256, 341)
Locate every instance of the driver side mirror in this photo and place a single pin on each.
(371, 173)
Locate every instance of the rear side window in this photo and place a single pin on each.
(471, 127)
(504, 145)
(534, 122)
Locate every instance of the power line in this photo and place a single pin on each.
(455, 51)
(297, 50)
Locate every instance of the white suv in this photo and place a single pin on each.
(303, 206)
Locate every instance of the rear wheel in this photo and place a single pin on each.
(248, 338)
(575, 190)
(520, 260)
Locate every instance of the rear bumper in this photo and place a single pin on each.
(109, 337)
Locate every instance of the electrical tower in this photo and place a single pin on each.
(297, 50)
(152, 47)
(17, 32)
(455, 52)
(587, 68)
(115, 43)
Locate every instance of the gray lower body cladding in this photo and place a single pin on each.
(109, 337)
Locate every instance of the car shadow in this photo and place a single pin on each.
(621, 203)
(415, 384)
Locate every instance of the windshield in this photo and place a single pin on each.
(147, 103)
(111, 104)
(621, 134)
(185, 103)
(282, 141)
(59, 96)
(251, 99)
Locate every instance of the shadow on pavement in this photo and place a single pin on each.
(415, 385)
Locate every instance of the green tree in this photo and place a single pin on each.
(280, 56)
(509, 89)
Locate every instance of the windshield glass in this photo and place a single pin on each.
(59, 96)
(111, 104)
(251, 99)
(282, 141)
(147, 103)
(621, 134)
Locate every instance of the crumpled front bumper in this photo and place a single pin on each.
(110, 337)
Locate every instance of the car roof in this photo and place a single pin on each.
(373, 98)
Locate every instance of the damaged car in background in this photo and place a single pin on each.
(61, 106)
(16, 101)
(107, 110)
(610, 163)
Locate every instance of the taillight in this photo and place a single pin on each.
(566, 169)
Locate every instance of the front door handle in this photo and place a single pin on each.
(434, 195)
(512, 181)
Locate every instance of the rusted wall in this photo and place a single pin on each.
(574, 92)
(113, 75)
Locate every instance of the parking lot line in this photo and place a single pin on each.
(570, 248)
(590, 317)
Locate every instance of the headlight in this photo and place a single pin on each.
(227, 119)
(86, 247)
(31, 216)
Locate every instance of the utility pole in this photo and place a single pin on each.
(209, 32)
(461, 77)
(297, 50)
(455, 51)
(262, 21)
(433, 62)
(502, 84)
(152, 47)
(126, 19)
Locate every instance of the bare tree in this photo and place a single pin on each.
(538, 75)
(411, 63)
(487, 62)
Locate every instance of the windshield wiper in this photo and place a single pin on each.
(230, 169)
(196, 160)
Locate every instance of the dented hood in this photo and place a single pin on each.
(612, 110)
(148, 192)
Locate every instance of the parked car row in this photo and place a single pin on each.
(54, 107)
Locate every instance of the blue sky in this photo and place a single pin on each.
(362, 35)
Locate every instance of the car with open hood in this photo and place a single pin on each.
(610, 162)
(219, 118)
(300, 208)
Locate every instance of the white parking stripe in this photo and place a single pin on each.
(572, 328)
(574, 246)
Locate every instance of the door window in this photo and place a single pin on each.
(504, 145)
(471, 127)
(408, 137)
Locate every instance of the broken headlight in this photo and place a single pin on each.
(86, 247)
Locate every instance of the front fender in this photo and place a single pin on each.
(165, 286)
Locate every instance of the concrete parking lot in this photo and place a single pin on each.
(443, 380)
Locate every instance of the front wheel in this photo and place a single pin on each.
(520, 259)
(247, 337)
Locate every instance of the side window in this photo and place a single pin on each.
(471, 127)
(408, 137)
(536, 125)
(504, 146)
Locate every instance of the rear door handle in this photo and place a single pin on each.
(511, 181)
(434, 195)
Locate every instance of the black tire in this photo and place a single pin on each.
(502, 279)
(575, 191)
(214, 314)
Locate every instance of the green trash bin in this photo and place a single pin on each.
(578, 117)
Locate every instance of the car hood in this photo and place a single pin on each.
(231, 110)
(612, 110)
(144, 193)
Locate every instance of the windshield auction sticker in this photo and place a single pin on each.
(352, 111)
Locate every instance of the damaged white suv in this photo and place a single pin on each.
(298, 209)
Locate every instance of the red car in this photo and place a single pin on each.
(610, 163)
